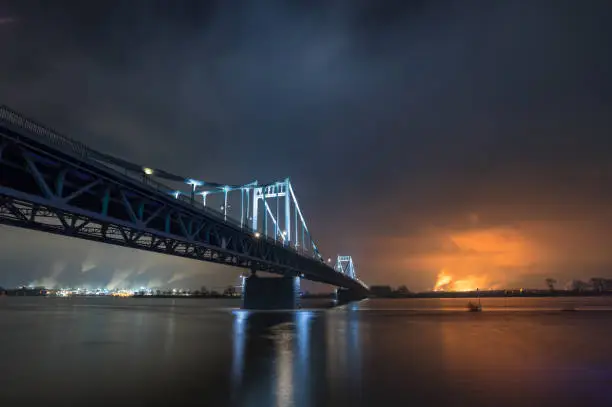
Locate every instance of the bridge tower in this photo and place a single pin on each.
(345, 265)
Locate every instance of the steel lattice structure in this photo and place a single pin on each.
(54, 184)
(344, 265)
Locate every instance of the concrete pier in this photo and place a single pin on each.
(268, 293)
(344, 295)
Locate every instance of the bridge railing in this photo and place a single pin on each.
(51, 137)
(66, 144)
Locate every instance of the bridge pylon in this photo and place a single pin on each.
(345, 265)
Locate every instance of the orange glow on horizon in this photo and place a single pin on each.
(445, 282)
(484, 258)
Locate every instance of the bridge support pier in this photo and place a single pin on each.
(344, 295)
(268, 293)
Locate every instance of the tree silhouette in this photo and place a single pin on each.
(550, 282)
(578, 285)
(598, 284)
(230, 291)
(403, 290)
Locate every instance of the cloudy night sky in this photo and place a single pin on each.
(472, 137)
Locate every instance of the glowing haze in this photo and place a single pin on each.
(445, 282)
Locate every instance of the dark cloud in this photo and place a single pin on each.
(392, 118)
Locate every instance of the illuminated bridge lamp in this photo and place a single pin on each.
(194, 185)
(204, 193)
(194, 182)
(148, 171)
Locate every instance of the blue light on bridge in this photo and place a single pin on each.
(194, 182)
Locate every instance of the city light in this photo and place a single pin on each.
(148, 171)
(257, 235)
(142, 291)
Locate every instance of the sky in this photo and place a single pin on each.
(470, 138)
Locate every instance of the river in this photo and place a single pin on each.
(125, 351)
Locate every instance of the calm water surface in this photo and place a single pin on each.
(107, 351)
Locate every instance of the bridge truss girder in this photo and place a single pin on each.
(18, 213)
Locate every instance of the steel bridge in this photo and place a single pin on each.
(51, 183)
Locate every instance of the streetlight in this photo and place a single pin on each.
(257, 234)
(148, 171)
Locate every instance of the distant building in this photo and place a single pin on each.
(381, 291)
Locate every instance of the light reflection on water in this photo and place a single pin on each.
(289, 334)
(377, 352)
(283, 361)
(239, 338)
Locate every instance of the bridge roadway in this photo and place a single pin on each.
(53, 184)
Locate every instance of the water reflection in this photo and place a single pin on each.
(274, 356)
(63, 352)
(283, 360)
(343, 355)
(256, 345)
(170, 335)
(240, 317)
(304, 320)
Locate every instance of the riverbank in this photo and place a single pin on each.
(496, 294)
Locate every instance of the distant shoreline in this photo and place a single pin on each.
(498, 294)
(393, 294)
